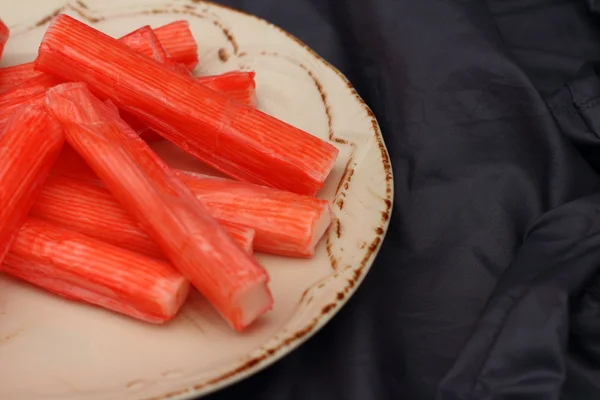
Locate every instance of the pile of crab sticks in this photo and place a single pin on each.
(89, 212)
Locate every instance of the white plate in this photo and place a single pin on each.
(55, 349)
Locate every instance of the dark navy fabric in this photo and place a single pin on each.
(487, 284)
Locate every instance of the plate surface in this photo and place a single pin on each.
(61, 350)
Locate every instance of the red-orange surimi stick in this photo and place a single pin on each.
(80, 268)
(145, 41)
(4, 34)
(70, 164)
(29, 145)
(285, 223)
(28, 83)
(240, 141)
(23, 81)
(30, 92)
(28, 89)
(179, 41)
(237, 85)
(15, 75)
(92, 210)
(165, 208)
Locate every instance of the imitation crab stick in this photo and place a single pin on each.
(23, 84)
(178, 40)
(240, 141)
(165, 208)
(284, 223)
(80, 268)
(237, 86)
(23, 81)
(29, 145)
(30, 92)
(178, 43)
(93, 210)
(145, 41)
(15, 75)
(4, 34)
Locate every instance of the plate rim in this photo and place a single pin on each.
(291, 340)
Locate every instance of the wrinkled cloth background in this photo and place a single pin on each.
(487, 284)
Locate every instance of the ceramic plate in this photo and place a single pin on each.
(56, 349)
